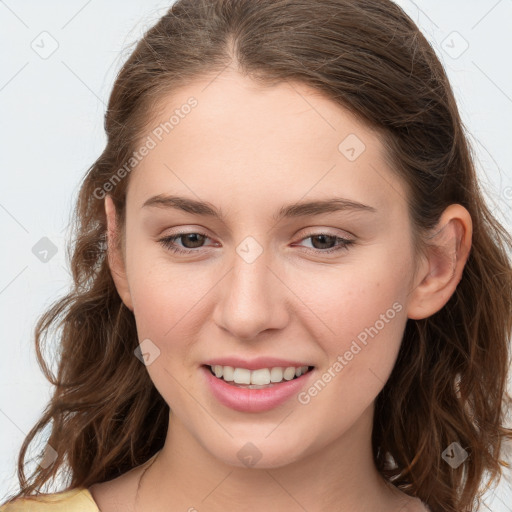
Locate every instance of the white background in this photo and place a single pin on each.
(52, 130)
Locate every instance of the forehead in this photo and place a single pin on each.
(230, 138)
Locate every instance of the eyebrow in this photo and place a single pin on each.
(300, 209)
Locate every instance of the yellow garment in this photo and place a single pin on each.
(75, 500)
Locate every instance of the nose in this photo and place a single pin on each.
(253, 299)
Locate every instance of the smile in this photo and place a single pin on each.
(258, 390)
(258, 379)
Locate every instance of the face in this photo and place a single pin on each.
(325, 288)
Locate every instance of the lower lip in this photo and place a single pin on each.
(254, 400)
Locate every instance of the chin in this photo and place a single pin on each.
(260, 452)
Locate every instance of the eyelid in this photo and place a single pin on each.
(343, 242)
(327, 231)
(310, 231)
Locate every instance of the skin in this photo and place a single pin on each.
(249, 151)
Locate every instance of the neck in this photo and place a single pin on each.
(341, 475)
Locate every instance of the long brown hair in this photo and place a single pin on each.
(449, 381)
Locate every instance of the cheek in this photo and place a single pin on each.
(365, 314)
(169, 300)
(362, 308)
(168, 311)
(355, 296)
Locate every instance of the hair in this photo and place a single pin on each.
(449, 381)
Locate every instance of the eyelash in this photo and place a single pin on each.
(168, 242)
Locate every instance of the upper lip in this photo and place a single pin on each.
(254, 364)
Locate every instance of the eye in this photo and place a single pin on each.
(194, 240)
(321, 239)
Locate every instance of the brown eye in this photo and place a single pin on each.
(322, 243)
(189, 241)
(325, 243)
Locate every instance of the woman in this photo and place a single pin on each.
(289, 291)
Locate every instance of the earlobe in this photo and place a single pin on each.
(114, 254)
(448, 251)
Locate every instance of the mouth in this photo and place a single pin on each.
(261, 378)
(256, 389)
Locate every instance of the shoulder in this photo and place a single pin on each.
(74, 500)
(412, 504)
(415, 506)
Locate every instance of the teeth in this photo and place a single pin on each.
(289, 373)
(260, 377)
(228, 373)
(276, 374)
(242, 376)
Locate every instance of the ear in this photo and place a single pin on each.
(115, 254)
(441, 271)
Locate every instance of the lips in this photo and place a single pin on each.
(245, 399)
